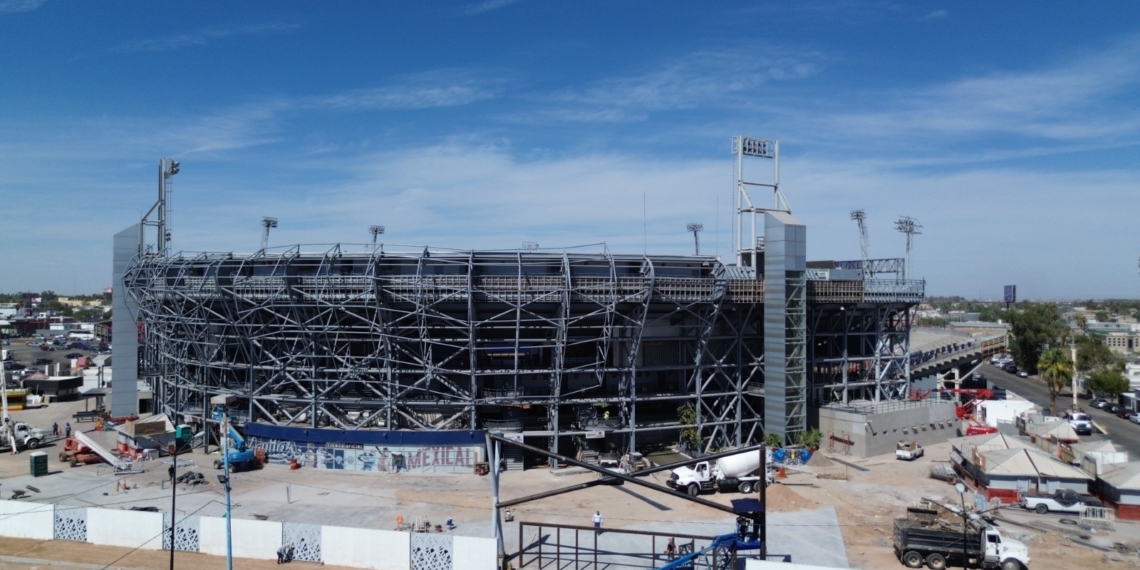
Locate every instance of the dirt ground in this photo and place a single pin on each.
(866, 502)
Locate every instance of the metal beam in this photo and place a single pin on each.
(627, 478)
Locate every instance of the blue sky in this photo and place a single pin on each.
(1010, 130)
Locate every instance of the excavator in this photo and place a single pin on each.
(966, 411)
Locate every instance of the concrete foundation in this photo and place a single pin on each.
(867, 428)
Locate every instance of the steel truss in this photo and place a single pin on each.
(859, 351)
(437, 340)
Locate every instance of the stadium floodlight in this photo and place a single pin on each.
(267, 222)
(755, 147)
(910, 227)
(696, 228)
(375, 231)
(530, 246)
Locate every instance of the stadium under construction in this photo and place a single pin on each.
(568, 350)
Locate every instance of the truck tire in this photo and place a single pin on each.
(936, 561)
(217, 464)
(33, 443)
(746, 487)
(62, 457)
(1041, 508)
(694, 489)
(912, 559)
(74, 461)
(1010, 564)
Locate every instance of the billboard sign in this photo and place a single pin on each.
(1010, 294)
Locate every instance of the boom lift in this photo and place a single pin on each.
(965, 411)
(240, 457)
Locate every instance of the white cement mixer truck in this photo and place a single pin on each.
(740, 472)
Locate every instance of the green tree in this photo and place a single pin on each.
(1082, 323)
(1034, 328)
(1102, 316)
(1093, 354)
(1107, 381)
(690, 436)
(1057, 371)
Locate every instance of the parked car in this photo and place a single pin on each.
(41, 361)
(1010, 367)
(1112, 408)
(1135, 418)
(1022, 374)
(73, 355)
(1099, 403)
(1125, 413)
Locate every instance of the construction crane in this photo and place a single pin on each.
(864, 241)
(965, 411)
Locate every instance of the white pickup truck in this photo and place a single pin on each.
(1062, 501)
(908, 450)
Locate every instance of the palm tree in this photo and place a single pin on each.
(1057, 371)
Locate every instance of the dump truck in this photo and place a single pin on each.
(740, 472)
(75, 452)
(916, 543)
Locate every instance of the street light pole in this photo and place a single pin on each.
(226, 464)
(961, 488)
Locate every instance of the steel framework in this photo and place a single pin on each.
(539, 342)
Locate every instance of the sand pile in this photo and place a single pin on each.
(818, 460)
(781, 498)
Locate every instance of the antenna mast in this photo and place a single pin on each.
(166, 168)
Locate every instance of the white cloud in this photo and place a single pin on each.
(487, 6)
(703, 78)
(441, 88)
(935, 15)
(19, 6)
(202, 37)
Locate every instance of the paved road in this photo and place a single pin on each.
(1123, 433)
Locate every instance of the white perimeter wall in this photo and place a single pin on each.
(364, 548)
(251, 538)
(124, 528)
(27, 520)
(473, 553)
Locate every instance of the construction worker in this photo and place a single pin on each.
(671, 550)
(55, 429)
(67, 430)
(597, 521)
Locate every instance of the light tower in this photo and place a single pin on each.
(375, 231)
(696, 228)
(864, 241)
(530, 246)
(910, 227)
(267, 222)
